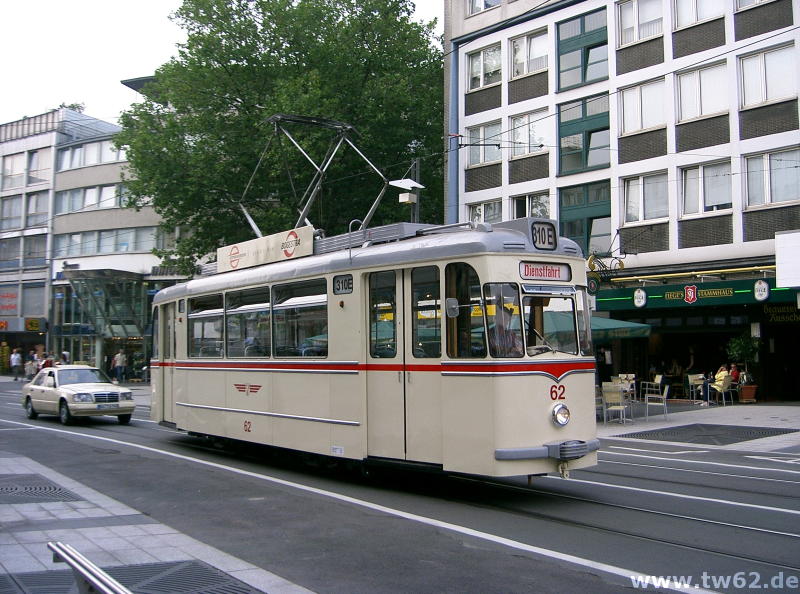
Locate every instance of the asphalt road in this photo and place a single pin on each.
(726, 520)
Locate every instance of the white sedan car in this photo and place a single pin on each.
(71, 391)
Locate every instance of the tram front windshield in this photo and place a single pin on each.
(545, 321)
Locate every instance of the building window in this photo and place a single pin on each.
(527, 133)
(528, 54)
(33, 300)
(484, 144)
(476, 6)
(11, 212)
(689, 12)
(91, 153)
(486, 212)
(638, 19)
(9, 254)
(584, 138)
(34, 250)
(38, 166)
(706, 188)
(82, 199)
(773, 177)
(646, 197)
(532, 205)
(643, 107)
(702, 92)
(769, 76)
(746, 3)
(582, 50)
(484, 67)
(37, 209)
(14, 171)
(585, 216)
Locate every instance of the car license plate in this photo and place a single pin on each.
(104, 406)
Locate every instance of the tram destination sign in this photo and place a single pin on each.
(544, 271)
(286, 245)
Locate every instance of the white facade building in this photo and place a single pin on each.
(660, 132)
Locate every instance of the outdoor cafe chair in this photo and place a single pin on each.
(656, 400)
(653, 387)
(613, 401)
(726, 388)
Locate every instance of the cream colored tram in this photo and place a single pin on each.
(385, 345)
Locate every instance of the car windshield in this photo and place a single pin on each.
(81, 376)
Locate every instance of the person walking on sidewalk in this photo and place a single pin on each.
(16, 364)
(119, 363)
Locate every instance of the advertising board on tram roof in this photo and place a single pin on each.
(285, 245)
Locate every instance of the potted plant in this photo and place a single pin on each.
(744, 349)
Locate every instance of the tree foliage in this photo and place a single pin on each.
(196, 138)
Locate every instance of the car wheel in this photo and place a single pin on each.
(64, 415)
(124, 419)
(30, 412)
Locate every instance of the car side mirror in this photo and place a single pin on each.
(451, 308)
(49, 382)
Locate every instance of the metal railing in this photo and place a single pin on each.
(89, 578)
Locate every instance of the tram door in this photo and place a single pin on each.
(403, 355)
(167, 356)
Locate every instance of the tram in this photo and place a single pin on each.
(464, 348)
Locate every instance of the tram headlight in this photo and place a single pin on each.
(561, 415)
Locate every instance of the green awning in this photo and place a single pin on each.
(560, 323)
(604, 329)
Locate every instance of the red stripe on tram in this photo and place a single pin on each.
(555, 369)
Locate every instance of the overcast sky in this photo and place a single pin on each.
(57, 51)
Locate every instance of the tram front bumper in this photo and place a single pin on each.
(562, 450)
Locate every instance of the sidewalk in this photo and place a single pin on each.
(39, 505)
(733, 416)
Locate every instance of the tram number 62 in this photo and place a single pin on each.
(248, 426)
(557, 392)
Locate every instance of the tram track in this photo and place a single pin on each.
(508, 511)
(638, 535)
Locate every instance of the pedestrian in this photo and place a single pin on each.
(120, 363)
(16, 364)
(31, 368)
(65, 357)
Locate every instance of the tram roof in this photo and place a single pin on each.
(486, 239)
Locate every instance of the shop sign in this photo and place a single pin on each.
(695, 295)
(3, 324)
(8, 301)
(35, 325)
(781, 314)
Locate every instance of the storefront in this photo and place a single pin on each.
(691, 324)
(98, 313)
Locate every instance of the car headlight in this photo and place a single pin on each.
(82, 397)
(125, 396)
(560, 414)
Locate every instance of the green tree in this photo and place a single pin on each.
(196, 138)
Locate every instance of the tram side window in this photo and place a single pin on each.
(466, 336)
(382, 315)
(156, 334)
(501, 302)
(247, 323)
(205, 326)
(300, 319)
(426, 312)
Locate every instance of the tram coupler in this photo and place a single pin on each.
(563, 470)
